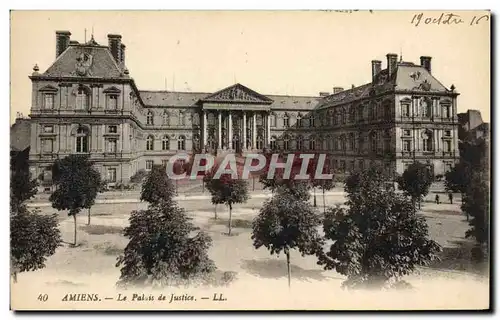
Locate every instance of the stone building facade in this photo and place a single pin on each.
(86, 102)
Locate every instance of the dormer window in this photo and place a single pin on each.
(112, 102)
(82, 99)
(48, 101)
(48, 95)
(149, 118)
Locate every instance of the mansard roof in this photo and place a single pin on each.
(88, 60)
(189, 99)
(406, 77)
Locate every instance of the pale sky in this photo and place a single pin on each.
(287, 52)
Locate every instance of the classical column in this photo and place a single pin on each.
(219, 128)
(268, 131)
(230, 132)
(244, 130)
(254, 130)
(204, 129)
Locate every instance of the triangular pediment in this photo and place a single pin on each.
(237, 93)
(48, 88)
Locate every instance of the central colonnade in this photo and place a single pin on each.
(235, 130)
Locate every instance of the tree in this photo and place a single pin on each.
(22, 187)
(457, 179)
(228, 191)
(323, 184)
(285, 223)
(76, 183)
(33, 237)
(378, 238)
(162, 248)
(157, 186)
(477, 206)
(416, 181)
(299, 187)
(210, 185)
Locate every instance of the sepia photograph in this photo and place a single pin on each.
(334, 160)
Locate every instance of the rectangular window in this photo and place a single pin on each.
(447, 146)
(406, 133)
(48, 129)
(49, 101)
(47, 146)
(272, 120)
(149, 164)
(446, 112)
(112, 146)
(111, 175)
(286, 122)
(447, 167)
(112, 102)
(406, 145)
(405, 110)
(447, 133)
(112, 129)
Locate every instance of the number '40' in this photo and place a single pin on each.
(43, 297)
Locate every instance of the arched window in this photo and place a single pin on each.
(352, 141)
(299, 120)
(300, 143)
(312, 143)
(166, 118)
(181, 143)
(165, 143)
(150, 140)
(428, 141)
(82, 140)
(426, 107)
(196, 141)
(286, 143)
(286, 121)
(272, 120)
(260, 142)
(342, 142)
(273, 143)
(150, 118)
(182, 118)
(196, 119)
(373, 142)
(82, 99)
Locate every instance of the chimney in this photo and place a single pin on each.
(62, 41)
(376, 67)
(337, 89)
(324, 94)
(426, 63)
(392, 62)
(122, 49)
(115, 46)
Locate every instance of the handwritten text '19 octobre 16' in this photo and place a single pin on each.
(447, 19)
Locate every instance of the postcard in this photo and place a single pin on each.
(250, 160)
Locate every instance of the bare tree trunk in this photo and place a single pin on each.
(314, 192)
(324, 202)
(253, 184)
(229, 223)
(14, 275)
(202, 186)
(88, 220)
(287, 252)
(215, 211)
(74, 220)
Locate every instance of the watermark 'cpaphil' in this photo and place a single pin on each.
(312, 166)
